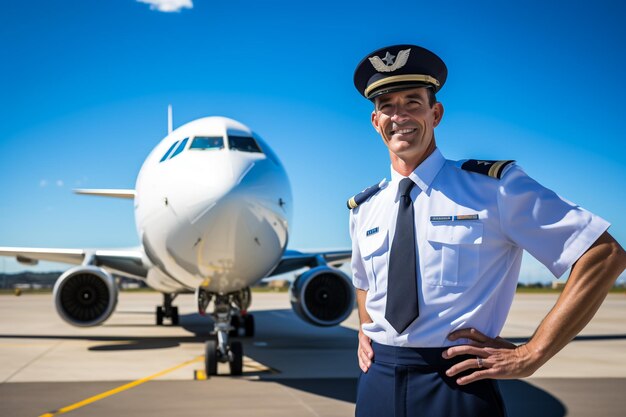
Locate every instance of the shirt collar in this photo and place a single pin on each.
(425, 172)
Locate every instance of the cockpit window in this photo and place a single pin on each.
(180, 148)
(168, 152)
(243, 143)
(207, 142)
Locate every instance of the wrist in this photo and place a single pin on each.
(361, 333)
(533, 356)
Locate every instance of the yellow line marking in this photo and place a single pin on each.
(259, 367)
(118, 389)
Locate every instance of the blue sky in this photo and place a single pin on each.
(85, 86)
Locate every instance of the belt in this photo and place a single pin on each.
(412, 356)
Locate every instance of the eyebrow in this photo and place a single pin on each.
(382, 101)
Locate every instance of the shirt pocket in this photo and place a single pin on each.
(374, 251)
(454, 260)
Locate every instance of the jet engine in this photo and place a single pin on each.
(322, 296)
(85, 296)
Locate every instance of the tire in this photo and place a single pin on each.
(159, 316)
(210, 358)
(174, 316)
(249, 325)
(236, 366)
(236, 324)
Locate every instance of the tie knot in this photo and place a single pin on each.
(406, 184)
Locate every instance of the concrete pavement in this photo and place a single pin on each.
(291, 368)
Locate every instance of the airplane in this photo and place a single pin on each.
(212, 206)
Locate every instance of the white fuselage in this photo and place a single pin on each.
(216, 213)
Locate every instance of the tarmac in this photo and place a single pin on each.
(131, 367)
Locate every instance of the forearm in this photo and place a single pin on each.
(591, 278)
(365, 354)
(364, 317)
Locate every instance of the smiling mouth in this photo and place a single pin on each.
(403, 131)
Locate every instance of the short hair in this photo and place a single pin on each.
(431, 96)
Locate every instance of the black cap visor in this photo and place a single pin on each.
(392, 88)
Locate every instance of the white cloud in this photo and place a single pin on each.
(168, 5)
(43, 183)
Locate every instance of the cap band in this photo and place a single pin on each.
(400, 78)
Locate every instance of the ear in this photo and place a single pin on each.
(438, 109)
(375, 120)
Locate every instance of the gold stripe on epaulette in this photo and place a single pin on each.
(493, 171)
(352, 203)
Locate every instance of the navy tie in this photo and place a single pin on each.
(401, 308)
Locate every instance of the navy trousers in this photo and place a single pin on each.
(408, 382)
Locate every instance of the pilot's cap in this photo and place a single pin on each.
(399, 67)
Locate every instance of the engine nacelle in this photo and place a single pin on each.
(85, 296)
(322, 296)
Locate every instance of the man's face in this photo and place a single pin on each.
(406, 122)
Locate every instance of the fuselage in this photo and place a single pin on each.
(212, 207)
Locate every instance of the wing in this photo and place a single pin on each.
(117, 193)
(293, 260)
(127, 262)
(379, 65)
(401, 59)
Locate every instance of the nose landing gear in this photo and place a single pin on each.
(229, 320)
(213, 354)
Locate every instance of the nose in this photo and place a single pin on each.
(400, 113)
(399, 116)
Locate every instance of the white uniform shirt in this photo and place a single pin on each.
(467, 269)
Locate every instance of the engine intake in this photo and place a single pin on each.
(322, 296)
(85, 296)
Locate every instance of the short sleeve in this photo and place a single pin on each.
(553, 230)
(359, 276)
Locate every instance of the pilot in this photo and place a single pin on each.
(436, 254)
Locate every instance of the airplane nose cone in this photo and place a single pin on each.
(224, 178)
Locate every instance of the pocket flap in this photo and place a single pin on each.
(461, 233)
(373, 243)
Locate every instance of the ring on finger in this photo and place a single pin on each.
(479, 361)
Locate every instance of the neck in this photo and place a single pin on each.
(405, 166)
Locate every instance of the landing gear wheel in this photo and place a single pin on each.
(174, 316)
(248, 325)
(236, 365)
(210, 358)
(159, 316)
(203, 299)
(235, 323)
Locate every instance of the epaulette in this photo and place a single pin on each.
(358, 199)
(494, 169)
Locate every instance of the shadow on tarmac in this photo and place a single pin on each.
(523, 399)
